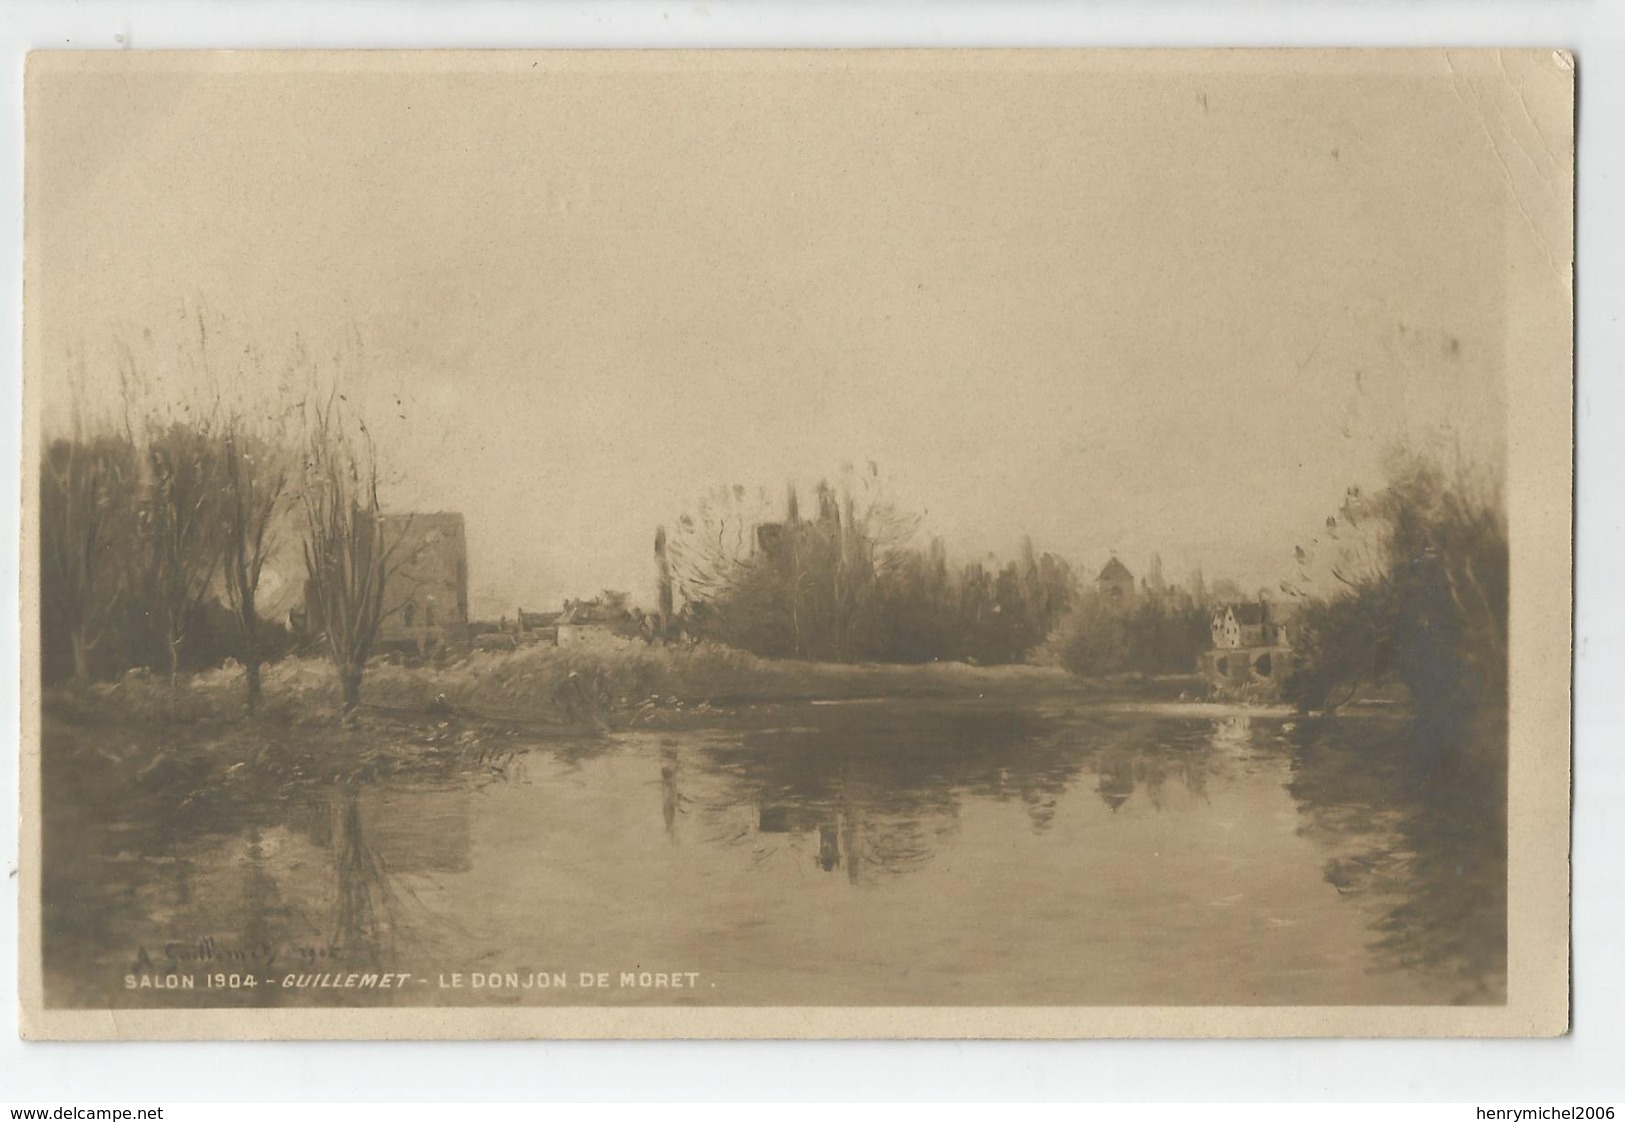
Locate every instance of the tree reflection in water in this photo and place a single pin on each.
(1410, 824)
(671, 796)
(386, 845)
(1414, 826)
(364, 907)
(1114, 778)
(876, 785)
(1415, 816)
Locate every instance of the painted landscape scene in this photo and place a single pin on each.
(515, 538)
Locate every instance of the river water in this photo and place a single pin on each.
(1040, 852)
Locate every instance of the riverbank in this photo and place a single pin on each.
(600, 685)
(188, 747)
(146, 734)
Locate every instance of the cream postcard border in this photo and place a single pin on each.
(1539, 352)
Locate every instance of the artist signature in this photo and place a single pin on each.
(208, 949)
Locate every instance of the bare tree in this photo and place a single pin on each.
(346, 558)
(255, 472)
(86, 493)
(183, 522)
(170, 421)
(709, 545)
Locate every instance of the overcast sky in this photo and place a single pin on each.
(1165, 310)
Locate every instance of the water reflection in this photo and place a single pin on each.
(671, 798)
(385, 841)
(1420, 841)
(1115, 779)
(878, 792)
(1420, 826)
(1131, 829)
(364, 904)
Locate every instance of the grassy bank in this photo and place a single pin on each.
(598, 684)
(188, 750)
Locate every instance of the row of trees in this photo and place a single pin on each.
(843, 583)
(155, 533)
(140, 533)
(1420, 574)
(1158, 634)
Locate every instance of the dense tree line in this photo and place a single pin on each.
(155, 530)
(843, 583)
(150, 550)
(1421, 601)
(1158, 634)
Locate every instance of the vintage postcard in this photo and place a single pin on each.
(771, 543)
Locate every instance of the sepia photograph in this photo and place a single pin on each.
(797, 543)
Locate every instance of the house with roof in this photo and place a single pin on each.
(582, 620)
(1252, 646)
(1116, 584)
(1239, 625)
